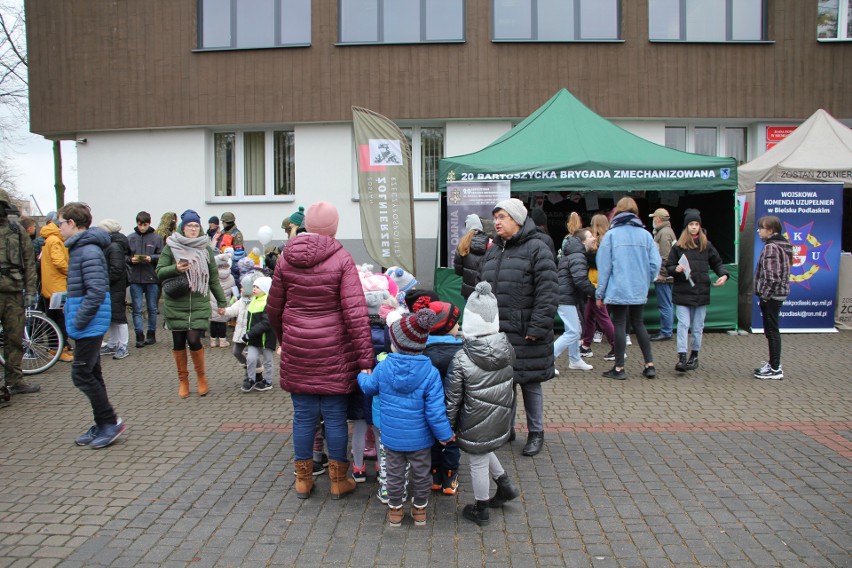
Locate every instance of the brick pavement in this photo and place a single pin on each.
(713, 469)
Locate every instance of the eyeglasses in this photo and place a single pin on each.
(60, 222)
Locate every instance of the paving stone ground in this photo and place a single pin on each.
(709, 469)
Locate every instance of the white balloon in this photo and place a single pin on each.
(264, 235)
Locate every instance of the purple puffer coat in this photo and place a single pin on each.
(318, 312)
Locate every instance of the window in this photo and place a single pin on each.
(401, 21)
(427, 149)
(267, 156)
(707, 20)
(834, 19)
(245, 24)
(556, 20)
(706, 140)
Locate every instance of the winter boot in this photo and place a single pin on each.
(680, 366)
(692, 362)
(304, 478)
(140, 339)
(506, 491)
(183, 372)
(152, 338)
(535, 440)
(341, 483)
(477, 513)
(198, 363)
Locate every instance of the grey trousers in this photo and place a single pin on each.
(421, 476)
(484, 468)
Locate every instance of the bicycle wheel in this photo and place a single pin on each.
(42, 343)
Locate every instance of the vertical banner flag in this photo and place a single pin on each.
(470, 197)
(811, 217)
(384, 189)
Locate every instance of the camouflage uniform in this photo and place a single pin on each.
(17, 277)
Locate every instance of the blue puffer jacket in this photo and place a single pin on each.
(87, 308)
(411, 397)
(628, 261)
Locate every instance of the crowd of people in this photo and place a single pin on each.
(370, 349)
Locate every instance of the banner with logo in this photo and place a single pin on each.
(384, 189)
(811, 217)
(465, 198)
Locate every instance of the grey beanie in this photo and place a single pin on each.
(110, 225)
(514, 207)
(481, 316)
(473, 222)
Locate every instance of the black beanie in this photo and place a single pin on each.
(691, 215)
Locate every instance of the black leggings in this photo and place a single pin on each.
(183, 337)
(619, 315)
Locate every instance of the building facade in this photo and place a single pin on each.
(245, 105)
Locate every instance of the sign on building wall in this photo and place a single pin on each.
(465, 198)
(811, 217)
(775, 134)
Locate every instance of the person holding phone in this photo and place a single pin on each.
(145, 247)
(188, 253)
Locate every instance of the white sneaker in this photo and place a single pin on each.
(579, 365)
(598, 337)
(628, 341)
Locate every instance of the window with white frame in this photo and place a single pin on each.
(834, 20)
(556, 20)
(728, 141)
(707, 20)
(401, 21)
(247, 24)
(427, 149)
(258, 164)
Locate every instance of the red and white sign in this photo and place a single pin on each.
(775, 134)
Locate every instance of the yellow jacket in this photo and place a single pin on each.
(54, 261)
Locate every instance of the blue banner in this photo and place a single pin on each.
(811, 216)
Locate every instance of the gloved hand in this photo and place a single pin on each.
(30, 300)
(245, 338)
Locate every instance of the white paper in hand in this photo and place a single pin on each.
(683, 262)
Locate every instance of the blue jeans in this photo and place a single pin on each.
(307, 409)
(690, 317)
(570, 339)
(664, 303)
(150, 291)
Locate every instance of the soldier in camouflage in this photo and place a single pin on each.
(18, 289)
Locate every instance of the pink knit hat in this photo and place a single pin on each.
(322, 218)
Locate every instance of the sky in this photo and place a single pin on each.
(31, 159)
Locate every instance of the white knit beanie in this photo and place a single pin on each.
(481, 316)
(514, 207)
(473, 222)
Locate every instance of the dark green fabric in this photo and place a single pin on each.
(193, 310)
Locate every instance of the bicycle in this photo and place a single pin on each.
(42, 343)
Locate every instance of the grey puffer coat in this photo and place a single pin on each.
(522, 274)
(479, 393)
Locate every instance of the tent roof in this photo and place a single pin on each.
(565, 146)
(820, 150)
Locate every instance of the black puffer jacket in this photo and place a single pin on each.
(522, 274)
(116, 255)
(468, 266)
(573, 273)
(700, 263)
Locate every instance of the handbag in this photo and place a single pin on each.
(176, 287)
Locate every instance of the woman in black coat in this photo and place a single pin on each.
(469, 254)
(522, 273)
(691, 294)
(116, 256)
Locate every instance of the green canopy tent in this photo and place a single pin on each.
(565, 147)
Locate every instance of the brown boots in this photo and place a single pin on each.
(304, 478)
(198, 363)
(183, 372)
(341, 482)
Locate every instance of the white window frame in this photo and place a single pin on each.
(721, 144)
(577, 32)
(239, 167)
(728, 26)
(842, 23)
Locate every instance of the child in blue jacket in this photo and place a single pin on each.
(413, 414)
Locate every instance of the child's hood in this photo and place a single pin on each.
(407, 372)
(490, 352)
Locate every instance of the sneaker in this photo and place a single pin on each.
(121, 353)
(86, 439)
(585, 351)
(248, 384)
(610, 356)
(214, 342)
(107, 434)
(437, 479)
(598, 337)
(628, 341)
(649, 372)
(108, 350)
(450, 483)
(771, 374)
(579, 365)
(262, 386)
(615, 374)
(359, 474)
(382, 495)
(764, 366)
(395, 515)
(321, 465)
(224, 342)
(419, 515)
(24, 388)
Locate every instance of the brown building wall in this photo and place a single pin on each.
(130, 64)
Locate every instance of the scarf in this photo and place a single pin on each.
(195, 251)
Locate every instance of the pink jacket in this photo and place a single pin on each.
(318, 312)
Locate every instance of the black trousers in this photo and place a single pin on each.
(771, 312)
(86, 375)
